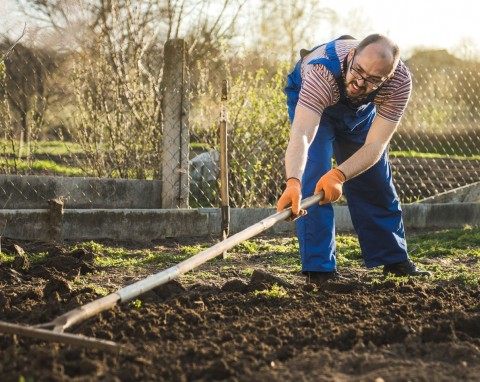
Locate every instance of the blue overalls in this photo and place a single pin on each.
(372, 200)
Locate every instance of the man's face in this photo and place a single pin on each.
(365, 72)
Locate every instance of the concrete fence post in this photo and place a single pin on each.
(175, 134)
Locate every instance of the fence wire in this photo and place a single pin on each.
(435, 149)
(99, 113)
(437, 146)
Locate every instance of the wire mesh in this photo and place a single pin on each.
(99, 113)
(436, 147)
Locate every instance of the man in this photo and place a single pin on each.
(345, 99)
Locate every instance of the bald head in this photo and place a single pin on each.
(382, 47)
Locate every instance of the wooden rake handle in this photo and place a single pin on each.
(95, 307)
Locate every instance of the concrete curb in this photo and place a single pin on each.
(144, 225)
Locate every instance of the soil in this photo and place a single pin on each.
(419, 178)
(223, 328)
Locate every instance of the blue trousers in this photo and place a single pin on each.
(372, 201)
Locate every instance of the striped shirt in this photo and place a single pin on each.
(320, 90)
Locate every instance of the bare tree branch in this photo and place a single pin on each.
(10, 50)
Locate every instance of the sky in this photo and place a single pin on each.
(410, 23)
(416, 23)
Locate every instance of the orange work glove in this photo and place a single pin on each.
(331, 184)
(292, 196)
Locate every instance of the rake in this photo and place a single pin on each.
(54, 330)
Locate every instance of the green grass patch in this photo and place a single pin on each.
(246, 272)
(58, 148)
(247, 247)
(275, 292)
(32, 257)
(288, 270)
(417, 154)
(25, 379)
(121, 257)
(280, 247)
(452, 255)
(200, 275)
(6, 258)
(190, 250)
(54, 148)
(137, 304)
(44, 166)
(348, 249)
(37, 257)
(452, 243)
(81, 282)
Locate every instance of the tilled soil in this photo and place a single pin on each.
(419, 178)
(227, 328)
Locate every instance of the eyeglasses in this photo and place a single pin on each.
(374, 84)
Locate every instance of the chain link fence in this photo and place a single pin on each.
(127, 114)
(435, 149)
(437, 146)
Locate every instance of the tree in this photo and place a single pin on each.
(280, 28)
(24, 85)
(116, 49)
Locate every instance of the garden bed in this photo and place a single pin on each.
(232, 319)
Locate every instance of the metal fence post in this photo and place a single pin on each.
(224, 164)
(175, 109)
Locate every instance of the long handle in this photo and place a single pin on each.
(140, 287)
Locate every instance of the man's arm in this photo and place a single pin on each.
(377, 140)
(303, 130)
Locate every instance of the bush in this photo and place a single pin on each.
(258, 133)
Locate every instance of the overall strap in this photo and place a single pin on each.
(332, 63)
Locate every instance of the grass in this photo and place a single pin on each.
(97, 289)
(446, 242)
(58, 148)
(120, 257)
(275, 292)
(452, 255)
(349, 252)
(32, 257)
(54, 148)
(199, 146)
(44, 166)
(6, 258)
(200, 275)
(417, 154)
